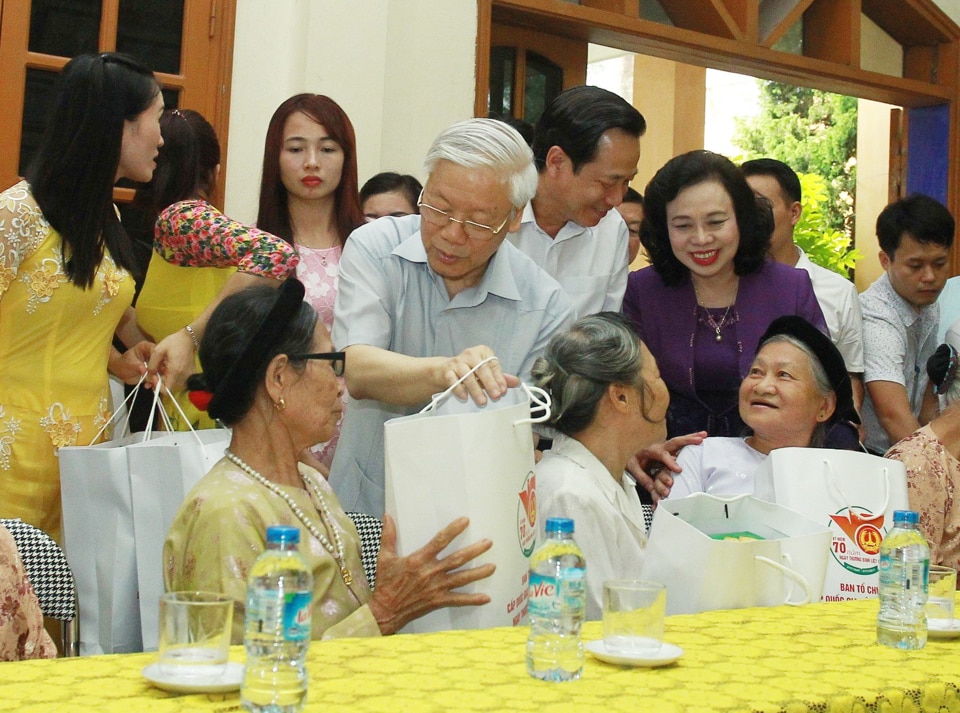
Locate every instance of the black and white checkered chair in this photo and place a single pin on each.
(369, 529)
(50, 575)
(647, 515)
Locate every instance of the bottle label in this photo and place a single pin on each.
(550, 596)
(296, 615)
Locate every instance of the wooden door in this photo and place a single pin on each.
(529, 68)
(188, 43)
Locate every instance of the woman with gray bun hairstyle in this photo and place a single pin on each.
(609, 403)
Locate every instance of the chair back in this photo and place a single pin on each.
(369, 529)
(50, 575)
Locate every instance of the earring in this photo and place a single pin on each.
(280, 405)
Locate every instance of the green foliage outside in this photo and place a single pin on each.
(824, 245)
(813, 132)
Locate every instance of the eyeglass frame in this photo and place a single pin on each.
(464, 223)
(336, 359)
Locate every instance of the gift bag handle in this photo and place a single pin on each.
(834, 483)
(792, 575)
(537, 396)
(540, 405)
(437, 399)
(126, 402)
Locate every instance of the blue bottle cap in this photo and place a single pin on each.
(559, 524)
(909, 516)
(283, 534)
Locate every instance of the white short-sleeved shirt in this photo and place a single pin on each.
(591, 264)
(391, 299)
(949, 303)
(608, 517)
(719, 466)
(840, 305)
(897, 341)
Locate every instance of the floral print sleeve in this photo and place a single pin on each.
(22, 230)
(195, 234)
(22, 635)
(932, 474)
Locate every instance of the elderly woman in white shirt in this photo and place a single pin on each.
(797, 389)
(609, 403)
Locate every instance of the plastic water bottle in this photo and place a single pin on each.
(904, 573)
(556, 605)
(277, 632)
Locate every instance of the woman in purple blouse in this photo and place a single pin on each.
(711, 291)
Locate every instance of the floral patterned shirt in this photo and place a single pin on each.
(193, 233)
(220, 530)
(932, 475)
(22, 635)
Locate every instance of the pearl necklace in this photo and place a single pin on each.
(325, 515)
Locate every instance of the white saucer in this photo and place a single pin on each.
(943, 628)
(229, 680)
(667, 654)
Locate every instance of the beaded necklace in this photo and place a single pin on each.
(325, 516)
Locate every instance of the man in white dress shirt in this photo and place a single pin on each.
(586, 146)
(837, 296)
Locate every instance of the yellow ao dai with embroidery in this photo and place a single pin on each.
(55, 342)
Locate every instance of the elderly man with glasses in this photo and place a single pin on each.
(425, 298)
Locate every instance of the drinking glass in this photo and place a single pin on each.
(194, 633)
(633, 613)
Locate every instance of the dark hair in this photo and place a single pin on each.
(389, 182)
(72, 175)
(274, 214)
(784, 175)
(754, 216)
(632, 196)
(579, 365)
(185, 165)
(576, 120)
(523, 127)
(925, 219)
(238, 321)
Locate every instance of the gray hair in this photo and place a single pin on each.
(819, 435)
(491, 144)
(580, 364)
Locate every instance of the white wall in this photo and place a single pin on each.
(403, 70)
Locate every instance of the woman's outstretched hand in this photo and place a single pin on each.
(409, 587)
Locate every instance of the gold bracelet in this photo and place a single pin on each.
(193, 337)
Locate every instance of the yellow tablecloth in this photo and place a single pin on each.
(822, 657)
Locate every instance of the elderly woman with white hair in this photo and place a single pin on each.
(796, 391)
(609, 403)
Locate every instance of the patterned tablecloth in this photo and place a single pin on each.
(821, 657)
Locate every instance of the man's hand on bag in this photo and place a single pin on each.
(409, 587)
(488, 380)
(654, 465)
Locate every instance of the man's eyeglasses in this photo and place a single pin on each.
(338, 360)
(440, 219)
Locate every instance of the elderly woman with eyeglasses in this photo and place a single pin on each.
(270, 373)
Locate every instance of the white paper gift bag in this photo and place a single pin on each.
(162, 472)
(707, 552)
(99, 544)
(454, 459)
(119, 497)
(853, 494)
